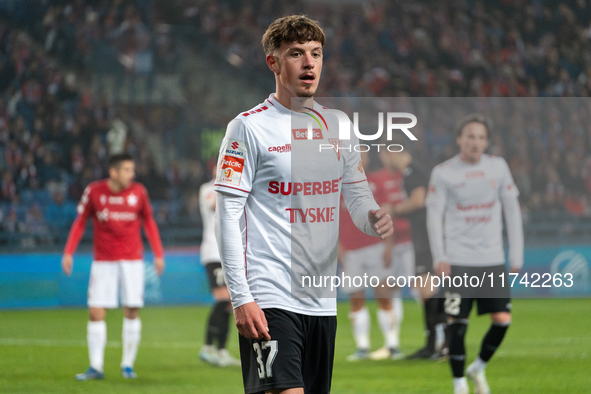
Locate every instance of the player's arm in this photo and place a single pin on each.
(84, 209)
(435, 203)
(513, 220)
(365, 212)
(414, 202)
(152, 233)
(250, 319)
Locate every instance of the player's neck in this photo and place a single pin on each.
(113, 186)
(469, 160)
(284, 98)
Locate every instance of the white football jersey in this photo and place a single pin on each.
(471, 198)
(291, 214)
(209, 248)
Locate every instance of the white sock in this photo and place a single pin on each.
(397, 306)
(460, 383)
(361, 322)
(390, 328)
(132, 333)
(478, 364)
(96, 337)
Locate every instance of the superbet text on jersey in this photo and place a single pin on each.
(292, 211)
(116, 220)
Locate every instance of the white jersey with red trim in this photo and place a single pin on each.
(209, 249)
(292, 207)
(470, 196)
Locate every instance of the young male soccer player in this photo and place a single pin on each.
(467, 192)
(218, 322)
(118, 206)
(287, 342)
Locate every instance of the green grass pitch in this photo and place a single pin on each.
(547, 350)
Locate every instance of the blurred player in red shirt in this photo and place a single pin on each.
(361, 254)
(118, 206)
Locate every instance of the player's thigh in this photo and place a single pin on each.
(103, 286)
(458, 300)
(274, 364)
(319, 353)
(132, 283)
(358, 263)
(403, 260)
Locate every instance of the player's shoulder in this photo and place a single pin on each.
(138, 188)
(447, 165)
(256, 114)
(97, 187)
(497, 162)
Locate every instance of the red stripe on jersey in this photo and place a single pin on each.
(350, 183)
(230, 187)
(321, 117)
(270, 102)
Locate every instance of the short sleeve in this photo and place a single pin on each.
(507, 185)
(436, 192)
(236, 161)
(85, 208)
(417, 178)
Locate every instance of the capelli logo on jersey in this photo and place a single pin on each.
(280, 149)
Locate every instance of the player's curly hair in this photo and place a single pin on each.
(289, 29)
(474, 118)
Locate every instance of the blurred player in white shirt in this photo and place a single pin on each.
(218, 321)
(291, 219)
(466, 193)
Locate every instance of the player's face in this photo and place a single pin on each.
(298, 67)
(124, 174)
(473, 141)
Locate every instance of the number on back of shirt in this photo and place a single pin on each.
(265, 359)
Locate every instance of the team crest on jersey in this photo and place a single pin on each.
(360, 166)
(337, 144)
(132, 200)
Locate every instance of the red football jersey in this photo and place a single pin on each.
(350, 237)
(389, 189)
(116, 219)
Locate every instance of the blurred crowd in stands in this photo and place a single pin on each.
(55, 137)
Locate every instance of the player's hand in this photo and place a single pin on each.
(381, 222)
(159, 265)
(251, 321)
(443, 268)
(67, 263)
(515, 270)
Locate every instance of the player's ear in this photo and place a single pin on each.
(273, 62)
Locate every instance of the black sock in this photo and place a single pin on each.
(492, 340)
(457, 351)
(431, 316)
(215, 322)
(224, 324)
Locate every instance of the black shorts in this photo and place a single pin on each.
(299, 354)
(215, 275)
(490, 297)
(423, 263)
